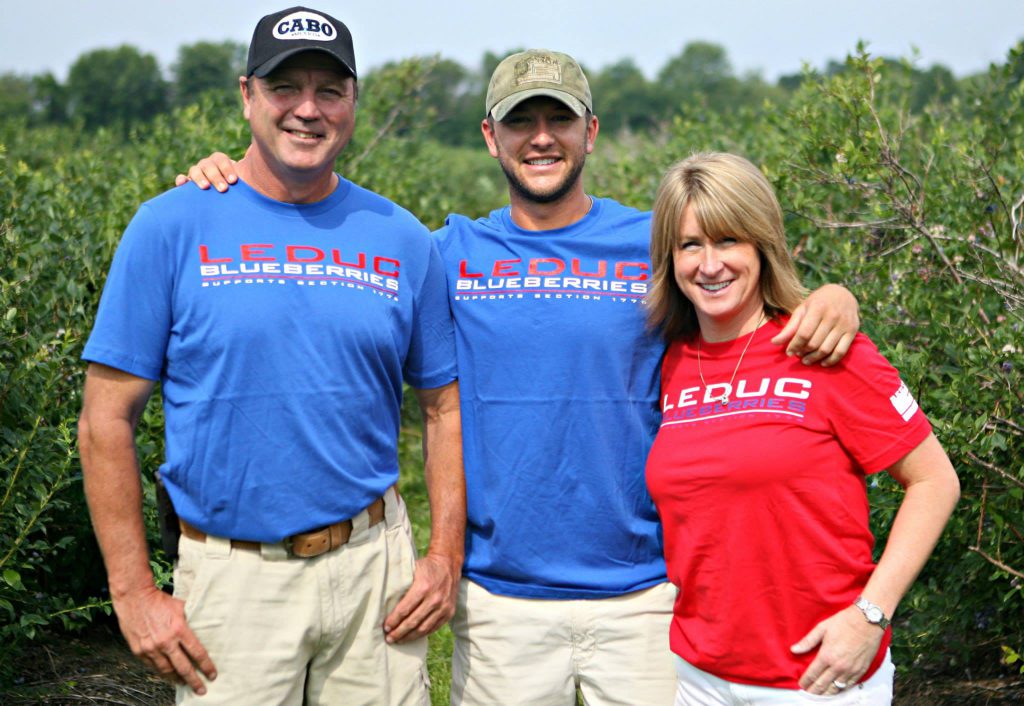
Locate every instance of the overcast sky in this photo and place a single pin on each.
(770, 36)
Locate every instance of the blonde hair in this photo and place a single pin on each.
(730, 198)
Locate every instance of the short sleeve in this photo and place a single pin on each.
(872, 411)
(431, 359)
(134, 319)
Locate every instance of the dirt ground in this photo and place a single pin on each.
(96, 668)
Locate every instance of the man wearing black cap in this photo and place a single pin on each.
(280, 320)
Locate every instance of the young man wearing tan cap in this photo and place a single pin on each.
(564, 582)
(281, 320)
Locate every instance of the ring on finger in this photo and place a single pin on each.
(840, 685)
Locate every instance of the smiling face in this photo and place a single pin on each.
(301, 116)
(721, 277)
(542, 147)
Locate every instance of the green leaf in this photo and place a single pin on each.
(32, 619)
(13, 579)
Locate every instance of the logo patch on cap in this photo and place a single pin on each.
(538, 68)
(305, 25)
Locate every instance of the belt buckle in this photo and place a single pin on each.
(307, 545)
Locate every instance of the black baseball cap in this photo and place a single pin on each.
(298, 29)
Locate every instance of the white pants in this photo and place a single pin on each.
(289, 631)
(698, 688)
(535, 652)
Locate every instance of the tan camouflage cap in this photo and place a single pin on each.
(537, 72)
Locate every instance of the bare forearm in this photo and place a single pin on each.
(915, 531)
(114, 494)
(443, 471)
(446, 488)
(926, 507)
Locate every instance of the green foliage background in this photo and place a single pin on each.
(914, 204)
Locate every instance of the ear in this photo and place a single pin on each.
(244, 87)
(592, 130)
(487, 128)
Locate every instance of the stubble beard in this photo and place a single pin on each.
(557, 194)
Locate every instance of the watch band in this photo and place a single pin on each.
(872, 613)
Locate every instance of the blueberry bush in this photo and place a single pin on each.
(917, 209)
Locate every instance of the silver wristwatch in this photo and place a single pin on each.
(872, 613)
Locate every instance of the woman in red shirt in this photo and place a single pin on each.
(760, 467)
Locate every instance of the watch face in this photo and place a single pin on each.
(874, 614)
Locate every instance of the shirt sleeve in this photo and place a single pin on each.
(872, 411)
(133, 322)
(431, 359)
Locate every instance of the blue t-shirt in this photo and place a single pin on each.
(280, 334)
(559, 385)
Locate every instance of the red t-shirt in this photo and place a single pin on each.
(763, 500)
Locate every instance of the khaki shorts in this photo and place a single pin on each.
(283, 630)
(536, 652)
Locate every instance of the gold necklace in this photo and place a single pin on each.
(724, 399)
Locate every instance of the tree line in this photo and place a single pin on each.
(124, 86)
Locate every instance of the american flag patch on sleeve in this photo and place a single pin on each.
(903, 402)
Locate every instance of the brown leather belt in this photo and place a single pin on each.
(304, 545)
